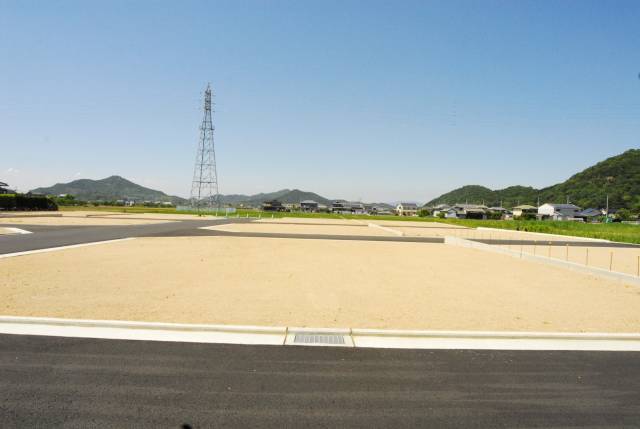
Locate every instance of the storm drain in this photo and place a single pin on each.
(303, 338)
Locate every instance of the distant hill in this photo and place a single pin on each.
(109, 189)
(284, 196)
(118, 188)
(618, 177)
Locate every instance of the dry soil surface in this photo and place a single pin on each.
(318, 283)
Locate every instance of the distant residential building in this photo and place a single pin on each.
(440, 208)
(381, 210)
(558, 211)
(347, 207)
(407, 209)
(340, 206)
(467, 211)
(291, 207)
(357, 208)
(524, 209)
(3, 188)
(309, 206)
(499, 213)
(590, 214)
(273, 206)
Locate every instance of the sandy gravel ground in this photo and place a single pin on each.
(320, 283)
(318, 229)
(156, 216)
(79, 218)
(310, 220)
(418, 224)
(620, 259)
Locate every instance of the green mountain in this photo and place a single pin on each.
(618, 177)
(284, 196)
(118, 188)
(110, 189)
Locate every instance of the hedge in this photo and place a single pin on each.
(26, 202)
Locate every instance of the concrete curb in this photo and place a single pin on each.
(260, 335)
(149, 331)
(543, 234)
(598, 272)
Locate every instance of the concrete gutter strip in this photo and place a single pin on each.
(233, 334)
(544, 234)
(598, 272)
(142, 331)
(123, 324)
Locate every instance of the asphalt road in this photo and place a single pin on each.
(54, 236)
(71, 382)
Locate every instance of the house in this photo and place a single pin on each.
(407, 209)
(3, 188)
(558, 211)
(273, 206)
(440, 208)
(347, 207)
(357, 208)
(379, 210)
(590, 215)
(309, 206)
(498, 212)
(467, 211)
(340, 206)
(523, 210)
(291, 207)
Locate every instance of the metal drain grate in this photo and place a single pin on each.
(318, 339)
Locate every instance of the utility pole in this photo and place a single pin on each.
(204, 188)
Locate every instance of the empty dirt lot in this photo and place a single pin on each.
(319, 283)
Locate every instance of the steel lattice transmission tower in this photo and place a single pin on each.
(204, 188)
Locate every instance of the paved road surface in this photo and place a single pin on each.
(53, 236)
(53, 382)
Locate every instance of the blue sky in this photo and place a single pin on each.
(380, 101)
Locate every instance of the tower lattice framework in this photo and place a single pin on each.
(204, 188)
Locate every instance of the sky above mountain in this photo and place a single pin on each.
(372, 100)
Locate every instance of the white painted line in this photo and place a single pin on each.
(384, 228)
(378, 338)
(13, 230)
(222, 228)
(54, 249)
(110, 329)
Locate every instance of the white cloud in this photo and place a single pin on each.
(12, 170)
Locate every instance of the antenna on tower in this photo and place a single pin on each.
(204, 188)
